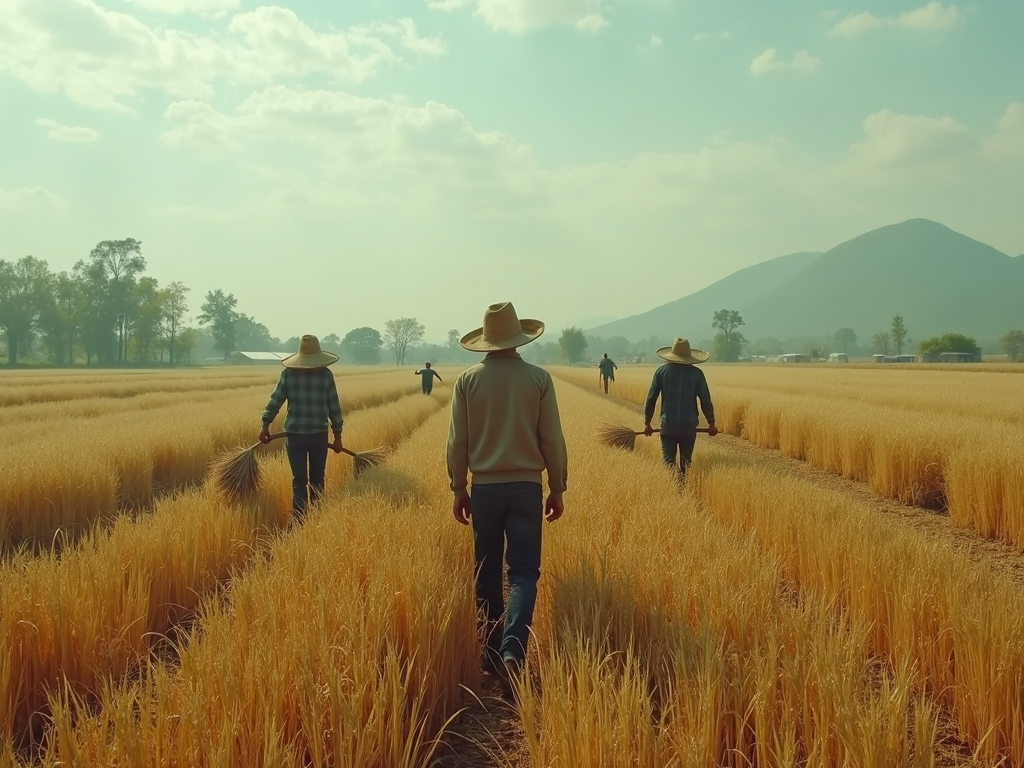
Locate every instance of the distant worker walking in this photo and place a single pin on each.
(679, 384)
(607, 369)
(427, 375)
(505, 429)
(312, 395)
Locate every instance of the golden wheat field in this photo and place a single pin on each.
(757, 616)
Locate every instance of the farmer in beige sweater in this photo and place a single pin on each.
(505, 430)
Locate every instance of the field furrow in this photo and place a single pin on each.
(347, 644)
(94, 612)
(971, 467)
(67, 477)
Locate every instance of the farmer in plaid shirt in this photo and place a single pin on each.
(680, 384)
(312, 396)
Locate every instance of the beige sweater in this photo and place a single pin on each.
(505, 425)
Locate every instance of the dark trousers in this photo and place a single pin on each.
(680, 440)
(511, 513)
(428, 386)
(307, 455)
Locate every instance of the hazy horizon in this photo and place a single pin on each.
(335, 167)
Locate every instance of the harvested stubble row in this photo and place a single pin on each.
(57, 390)
(345, 646)
(28, 417)
(69, 482)
(94, 613)
(664, 639)
(974, 467)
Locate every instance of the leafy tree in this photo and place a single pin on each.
(400, 333)
(1013, 345)
(453, 339)
(573, 343)
(950, 342)
(250, 335)
(729, 342)
(846, 338)
(188, 339)
(114, 266)
(25, 287)
(363, 345)
(880, 343)
(218, 312)
(898, 333)
(331, 343)
(175, 310)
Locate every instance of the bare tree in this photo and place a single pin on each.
(400, 333)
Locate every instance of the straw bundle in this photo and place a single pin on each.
(618, 436)
(237, 476)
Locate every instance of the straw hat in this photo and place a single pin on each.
(502, 329)
(309, 355)
(680, 352)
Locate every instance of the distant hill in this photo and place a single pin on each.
(939, 280)
(692, 314)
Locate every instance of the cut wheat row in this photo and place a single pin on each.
(94, 613)
(346, 646)
(918, 604)
(57, 486)
(972, 467)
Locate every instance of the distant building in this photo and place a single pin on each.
(899, 358)
(956, 357)
(257, 358)
(878, 358)
(794, 358)
(838, 357)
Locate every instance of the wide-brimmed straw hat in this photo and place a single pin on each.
(309, 355)
(681, 352)
(502, 329)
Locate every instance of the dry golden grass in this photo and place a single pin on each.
(94, 612)
(751, 618)
(910, 438)
(61, 478)
(346, 645)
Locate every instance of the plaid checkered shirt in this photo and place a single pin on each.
(680, 387)
(312, 399)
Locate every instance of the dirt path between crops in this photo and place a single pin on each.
(996, 555)
(488, 734)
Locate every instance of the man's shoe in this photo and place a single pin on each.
(513, 669)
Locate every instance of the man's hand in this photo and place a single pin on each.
(460, 509)
(265, 435)
(336, 446)
(553, 507)
(712, 430)
(648, 429)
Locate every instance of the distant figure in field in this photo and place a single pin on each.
(505, 429)
(607, 369)
(427, 375)
(679, 384)
(312, 396)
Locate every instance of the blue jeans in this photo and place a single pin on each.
(307, 455)
(512, 513)
(679, 440)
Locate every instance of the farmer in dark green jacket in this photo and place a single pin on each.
(679, 384)
(427, 375)
(312, 396)
(606, 368)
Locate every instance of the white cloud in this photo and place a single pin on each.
(656, 42)
(928, 18)
(101, 57)
(67, 133)
(210, 8)
(22, 198)
(769, 61)
(519, 16)
(891, 139)
(701, 37)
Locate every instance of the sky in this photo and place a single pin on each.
(337, 164)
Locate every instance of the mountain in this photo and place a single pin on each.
(692, 314)
(939, 280)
